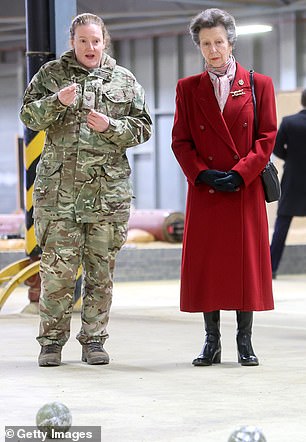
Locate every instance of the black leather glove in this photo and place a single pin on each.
(209, 176)
(229, 183)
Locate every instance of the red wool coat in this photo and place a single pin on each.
(226, 261)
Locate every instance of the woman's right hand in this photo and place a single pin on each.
(209, 176)
(68, 94)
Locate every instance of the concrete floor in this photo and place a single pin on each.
(150, 391)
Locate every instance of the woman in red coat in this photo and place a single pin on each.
(226, 261)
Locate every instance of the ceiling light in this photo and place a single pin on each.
(252, 29)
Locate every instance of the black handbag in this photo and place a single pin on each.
(269, 176)
(270, 183)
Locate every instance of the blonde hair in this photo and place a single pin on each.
(88, 19)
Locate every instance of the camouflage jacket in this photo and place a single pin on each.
(84, 174)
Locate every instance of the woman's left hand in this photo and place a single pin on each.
(97, 121)
(230, 183)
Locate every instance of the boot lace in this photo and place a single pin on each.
(52, 348)
(95, 346)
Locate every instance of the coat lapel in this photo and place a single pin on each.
(204, 95)
(240, 95)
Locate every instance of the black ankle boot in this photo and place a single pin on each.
(246, 355)
(211, 351)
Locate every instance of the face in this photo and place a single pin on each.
(215, 46)
(88, 45)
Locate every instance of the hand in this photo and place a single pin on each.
(229, 183)
(209, 176)
(68, 94)
(97, 121)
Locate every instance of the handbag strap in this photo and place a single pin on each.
(254, 102)
(253, 98)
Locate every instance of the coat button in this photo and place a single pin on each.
(211, 191)
(245, 124)
(202, 127)
(236, 157)
(210, 158)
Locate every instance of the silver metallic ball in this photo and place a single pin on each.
(53, 417)
(247, 433)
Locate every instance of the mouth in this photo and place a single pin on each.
(90, 56)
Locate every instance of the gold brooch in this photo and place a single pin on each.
(237, 93)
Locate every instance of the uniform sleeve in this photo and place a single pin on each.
(250, 166)
(182, 142)
(41, 107)
(132, 129)
(281, 141)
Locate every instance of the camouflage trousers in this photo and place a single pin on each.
(65, 246)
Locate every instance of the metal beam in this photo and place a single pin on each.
(223, 3)
(18, 37)
(10, 20)
(146, 24)
(295, 7)
(144, 14)
(13, 27)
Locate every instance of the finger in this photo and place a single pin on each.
(67, 89)
(92, 116)
(228, 187)
(225, 180)
(220, 174)
(90, 121)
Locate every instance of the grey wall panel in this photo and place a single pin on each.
(270, 56)
(166, 72)
(9, 126)
(301, 49)
(143, 67)
(191, 60)
(244, 51)
(168, 174)
(137, 55)
(260, 53)
(142, 158)
(143, 180)
(287, 51)
(142, 162)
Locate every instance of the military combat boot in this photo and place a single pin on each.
(94, 354)
(211, 351)
(246, 355)
(50, 355)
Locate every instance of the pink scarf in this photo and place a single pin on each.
(221, 79)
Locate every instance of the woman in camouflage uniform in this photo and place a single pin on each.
(91, 110)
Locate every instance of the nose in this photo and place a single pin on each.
(89, 45)
(213, 48)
